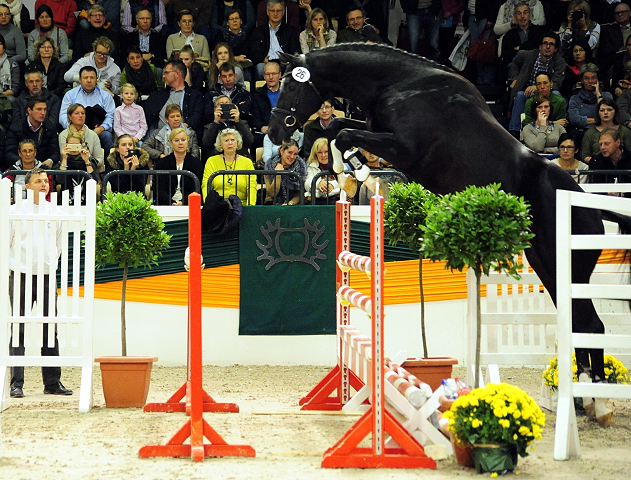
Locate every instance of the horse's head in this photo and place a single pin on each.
(298, 99)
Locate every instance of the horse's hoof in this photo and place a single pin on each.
(338, 161)
(588, 402)
(604, 415)
(363, 173)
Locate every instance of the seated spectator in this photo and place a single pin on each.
(579, 23)
(568, 158)
(613, 38)
(222, 54)
(317, 33)
(522, 75)
(327, 190)
(34, 126)
(63, 13)
(624, 105)
(317, 127)
(222, 11)
(369, 186)
(176, 189)
(357, 30)
(558, 110)
(151, 44)
(621, 69)
(99, 106)
(126, 156)
(519, 28)
(97, 27)
(542, 135)
(26, 160)
(14, 45)
(34, 82)
(262, 49)
(107, 72)
(284, 189)
(611, 157)
(607, 119)
(264, 99)
(111, 11)
(89, 139)
(132, 8)
(140, 73)
(195, 75)
(270, 150)
(9, 78)
(237, 40)
(228, 143)
(291, 15)
(47, 29)
(186, 36)
(576, 57)
(201, 10)
(158, 145)
(176, 91)
(229, 87)
(47, 62)
(582, 108)
(222, 122)
(75, 156)
(129, 118)
(20, 16)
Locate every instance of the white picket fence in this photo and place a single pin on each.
(75, 313)
(566, 438)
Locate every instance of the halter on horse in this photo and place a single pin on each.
(434, 126)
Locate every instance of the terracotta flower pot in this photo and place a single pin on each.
(126, 380)
(463, 451)
(430, 370)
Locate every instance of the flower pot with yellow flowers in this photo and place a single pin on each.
(500, 422)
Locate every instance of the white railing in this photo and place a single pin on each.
(566, 438)
(38, 229)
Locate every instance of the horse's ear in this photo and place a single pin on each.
(293, 60)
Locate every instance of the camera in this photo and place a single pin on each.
(132, 152)
(226, 108)
(578, 14)
(74, 148)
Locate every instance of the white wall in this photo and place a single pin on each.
(160, 330)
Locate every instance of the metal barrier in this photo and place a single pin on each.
(603, 175)
(249, 173)
(111, 176)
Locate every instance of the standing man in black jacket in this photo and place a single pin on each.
(267, 40)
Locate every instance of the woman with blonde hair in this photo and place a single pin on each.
(89, 139)
(75, 156)
(317, 33)
(579, 22)
(174, 190)
(223, 53)
(228, 143)
(327, 190)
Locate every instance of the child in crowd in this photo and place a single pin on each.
(129, 118)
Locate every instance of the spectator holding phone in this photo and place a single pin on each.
(127, 157)
(226, 115)
(229, 87)
(75, 156)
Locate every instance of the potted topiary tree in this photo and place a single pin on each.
(129, 233)
(405, 212)
(482, 228)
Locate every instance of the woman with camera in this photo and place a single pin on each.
(75, 156)
(89, 139)
(578, 25)
(226, 115)
(174, 190)
(126, 156)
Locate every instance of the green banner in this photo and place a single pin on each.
(287, 257)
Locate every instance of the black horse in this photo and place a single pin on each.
(434, 126)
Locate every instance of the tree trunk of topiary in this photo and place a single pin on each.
(123, 323)
(420, 278)
(478, 331)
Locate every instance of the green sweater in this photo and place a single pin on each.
(558, 105)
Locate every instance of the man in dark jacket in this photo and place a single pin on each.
(178, 92)
(34, 88)
(285, 38)
(611, 157)
(85, 38)
(231, 89)
(33, 126)
(263, 100)
(151, 43)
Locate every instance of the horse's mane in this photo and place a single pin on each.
(392, 53)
